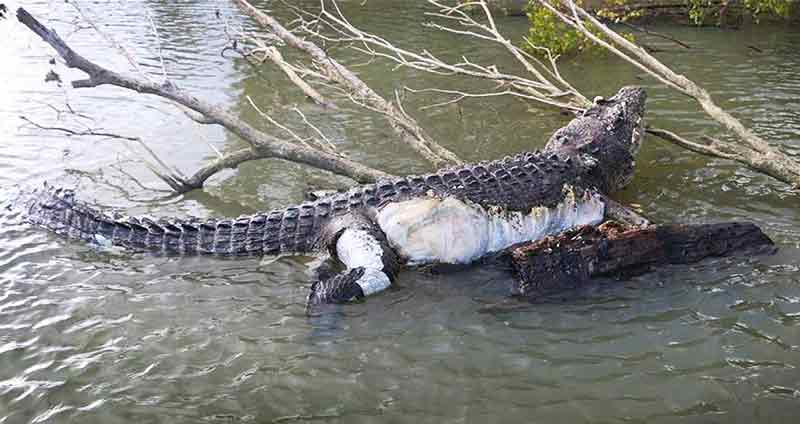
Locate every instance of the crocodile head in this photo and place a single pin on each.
(606, 137)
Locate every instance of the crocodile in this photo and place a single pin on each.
(453, 216)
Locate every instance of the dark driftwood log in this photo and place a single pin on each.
(570, 259)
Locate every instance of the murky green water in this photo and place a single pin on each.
(96, 337)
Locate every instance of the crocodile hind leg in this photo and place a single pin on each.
(371, 264)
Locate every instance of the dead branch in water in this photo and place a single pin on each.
(323, 155)
(262, 145)
(545, 84)
(261, 52)
(333, 71)
(750, 149)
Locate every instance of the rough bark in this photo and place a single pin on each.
(571, 259)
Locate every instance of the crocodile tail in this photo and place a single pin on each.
(274, 232)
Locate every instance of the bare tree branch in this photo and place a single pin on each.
(411, 132)
(227, 161)
(70, 132)
(264, 144)
(274, 55)
(547, 85)
(171, 176)
(704, 149)
(528, 61)
(330, 146)
(110, 39)
(751, 150)
(158, 44)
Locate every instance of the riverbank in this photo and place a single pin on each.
(722, 13)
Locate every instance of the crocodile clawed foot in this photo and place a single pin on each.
(341, 288)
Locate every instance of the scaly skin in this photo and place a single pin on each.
(593, 152)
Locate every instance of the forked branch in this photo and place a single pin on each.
(544, 84)
(262, 145)
(402, 123)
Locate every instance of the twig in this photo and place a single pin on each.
(461, 95)
(135, 180)
(272, 53)
(655, 34)
(158, 43)
(70, 132)
(117, 45)
(547, 85)
(227, 161)
(172, 176)
(328, 145)
(276, 123)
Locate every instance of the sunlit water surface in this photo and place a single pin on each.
(93, 336)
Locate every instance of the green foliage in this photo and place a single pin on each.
(779, 8)
(548, 31)
(617, 11)
(702, 11)
(698, 10)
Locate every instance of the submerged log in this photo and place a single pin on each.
(572, 258)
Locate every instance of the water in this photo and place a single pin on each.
(102, 337)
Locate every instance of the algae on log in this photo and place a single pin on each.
(570, 259)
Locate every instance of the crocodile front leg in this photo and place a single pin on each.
(371, 264)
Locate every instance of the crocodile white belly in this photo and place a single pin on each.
(449, 230)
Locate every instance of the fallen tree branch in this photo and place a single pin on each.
(704, 149)
(110, 39)
(547, 85)
(274, 55)
(531, 64)
(750, 150)
(403, 124)
(265, 145)
(227, 161)
(779, 167)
